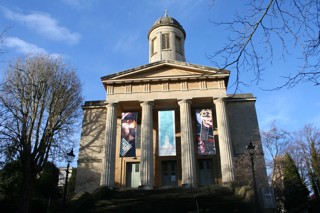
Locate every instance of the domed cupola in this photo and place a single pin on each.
(166, 40)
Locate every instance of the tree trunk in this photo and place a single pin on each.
(24, 205)
(28, 180)
(314, 185)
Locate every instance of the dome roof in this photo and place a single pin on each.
(166, 21)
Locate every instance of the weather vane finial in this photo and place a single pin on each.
(166, 13)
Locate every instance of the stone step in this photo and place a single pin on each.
(203, 199)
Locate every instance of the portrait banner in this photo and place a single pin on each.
(167, 138)
(204, 132)
(128, 134)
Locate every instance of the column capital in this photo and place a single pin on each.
(146, 103)
(181, 101)
(112, 104)
(218, 100)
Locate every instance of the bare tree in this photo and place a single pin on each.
(304, 148)
(255, 35)
(306, 152)
(275, 143)
(40, 99)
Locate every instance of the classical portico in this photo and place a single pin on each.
(166, 123)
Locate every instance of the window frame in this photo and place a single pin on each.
(165, 41)
(178, 44)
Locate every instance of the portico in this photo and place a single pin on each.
(147, 153)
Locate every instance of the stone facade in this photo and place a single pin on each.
(163, 85)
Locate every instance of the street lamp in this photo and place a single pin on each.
(70, 157)
(251, 149)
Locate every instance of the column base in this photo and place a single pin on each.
(229, 185)
(145, 187)
(188, 186)
(107, 187)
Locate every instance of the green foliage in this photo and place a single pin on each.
(47, 183)
(295, 191)
(314, 171)
(11, 180)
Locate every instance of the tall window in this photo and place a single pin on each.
(178, 44)
(165, 41)
(153, 43)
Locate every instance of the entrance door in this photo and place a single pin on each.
(133, 175)
(205, 172)
(169, 173)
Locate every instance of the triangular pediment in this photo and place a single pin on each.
(165, 70)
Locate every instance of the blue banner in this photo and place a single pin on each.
(167, 138)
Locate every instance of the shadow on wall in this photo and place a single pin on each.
(91, 148)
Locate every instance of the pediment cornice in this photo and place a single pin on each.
(164, 71)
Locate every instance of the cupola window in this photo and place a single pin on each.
(178, 44)
(153, 43)
(165, 41)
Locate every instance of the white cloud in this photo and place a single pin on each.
(24, 47)
(43, 24)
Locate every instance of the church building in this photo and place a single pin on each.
(166, 123)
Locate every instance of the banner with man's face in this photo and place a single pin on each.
(128, 134)
(204, 132)
(167, 138)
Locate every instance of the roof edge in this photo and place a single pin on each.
(166, 62)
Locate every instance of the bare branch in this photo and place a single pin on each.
(253, 37)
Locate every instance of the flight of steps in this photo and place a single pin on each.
(202, 199)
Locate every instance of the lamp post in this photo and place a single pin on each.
(251, 149)
(70, 157)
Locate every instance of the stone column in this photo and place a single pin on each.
(146, 162)
(187, 145)
(225, 143)
(108, 161)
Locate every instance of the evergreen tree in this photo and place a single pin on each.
(314, 168)
(295, 191)
(11, 180)
(46, 184)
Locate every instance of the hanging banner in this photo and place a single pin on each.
(128, 134)
(204, 128)
(167, 138)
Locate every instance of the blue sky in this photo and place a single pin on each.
(100, 37)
